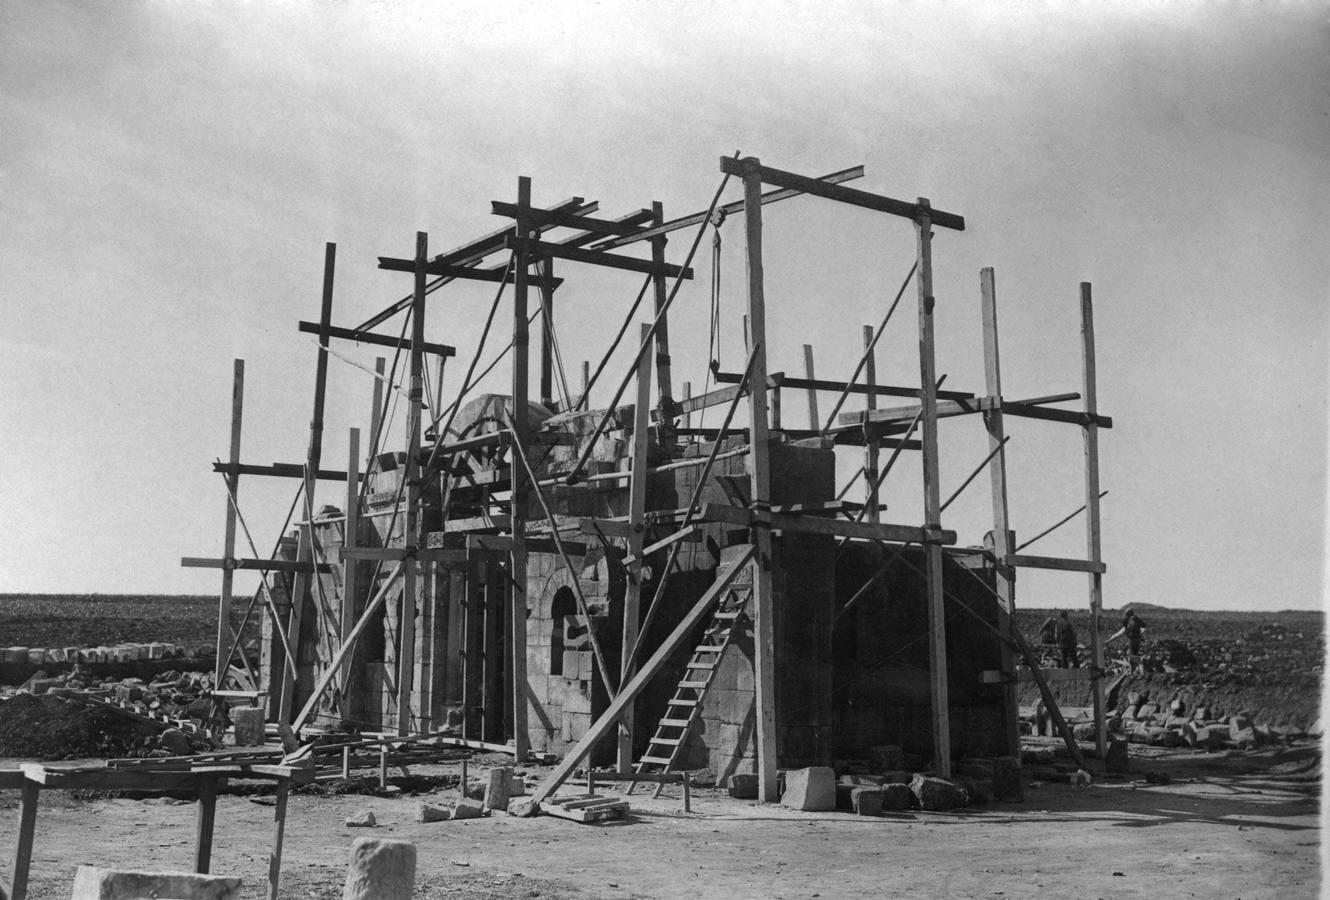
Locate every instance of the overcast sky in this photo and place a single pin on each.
(169, 174)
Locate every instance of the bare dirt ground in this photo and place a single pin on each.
(1229, 824)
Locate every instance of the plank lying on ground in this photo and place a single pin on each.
(586, 808)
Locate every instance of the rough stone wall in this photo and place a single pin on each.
(881, 686)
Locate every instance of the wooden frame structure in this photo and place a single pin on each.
(511, 481)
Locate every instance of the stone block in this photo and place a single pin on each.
(1116, 758)
(468, 809)
(936, 794)
(742, 786)
(1083, 731)
(14, 656)
(896, 797)
(363, 819)
(93, 883)
(248, 726)
(811, 789)
(430, 813)
(887, 757)
(380, 869)
(1007, 784)
(862, 780)
(499, 787)
(866, 801)
(1238, 723)
(1173, 738)
(36, 656)
(175, 742)
(523, 807)
(517, 787)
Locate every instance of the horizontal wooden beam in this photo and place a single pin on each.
(632, 219)
(1055, 562)
(963, 406)
(258, 565)
(1069, 416)
(555, 220)
(874, 531)
(727, 209)
(467, 273)
(279, 470)
(821, 384)
(790, 180)
(380, 340)
(598, 258)
(423, 554)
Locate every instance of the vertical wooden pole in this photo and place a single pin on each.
(279, 834)
(637, 502)
(814, 420)
(27, 830)
(937, 620)
(872, 447)
(350, 573)
(225, 637)
(517, 511)
(764, 636)
(376, 406)
(1005, 575)
(305, 551)
(547, 333)
(687, 395)
(1092, 542)
(586, 378)
(663, 383)
(207, 815)
(406, 644)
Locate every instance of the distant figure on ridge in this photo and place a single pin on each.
(1068, 657)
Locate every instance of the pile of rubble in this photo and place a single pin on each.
(1172, 724)
(75, 714)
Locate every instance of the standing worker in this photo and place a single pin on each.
(1134, 626)
(1069, 658)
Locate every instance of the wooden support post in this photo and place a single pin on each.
(305, 550)
(346, 763)
(814, 420)
(586, 384)
(517, 506)
(207, 816)
(637, 497)
(406, 644)
(350, 570)
(663, 383)
(872, 446)
(225, 637)
(688, 395)
(547, 334)
(1005, 575)
(491, 683)
(764, 636)
(376, 409)
(937, 619)
(1093, 549)
(383, 767)
(279, 835)
(27, 828)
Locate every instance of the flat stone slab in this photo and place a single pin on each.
(93, 883)
(812, 789)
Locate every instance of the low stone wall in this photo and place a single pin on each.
(18, 664)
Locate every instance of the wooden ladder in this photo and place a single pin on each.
(682, 711)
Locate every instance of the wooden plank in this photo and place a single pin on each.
(517, 617)
(726, 210)
(937, 618)
(279, 832)
(872, 531)
(637, 500)
(565, 220)
(1054, 562)
(278, 470)
(822, 384)
(841, 194)
(225, 636)
(1004, 578)
(627, 692)
(495, 274)
(597, 258)
(764, 631)
(27, 829)
(1093, 549)
(378, 340)
(689, 533)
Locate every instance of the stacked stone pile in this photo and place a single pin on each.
(1169, 722)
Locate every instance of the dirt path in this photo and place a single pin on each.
(1226, 827)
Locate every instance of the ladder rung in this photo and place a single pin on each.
(676, 723)
(692, 684)
(655, 760)
(726, 615)
(708, 648)
(701, 666)
(666, 742)
(677, 701)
